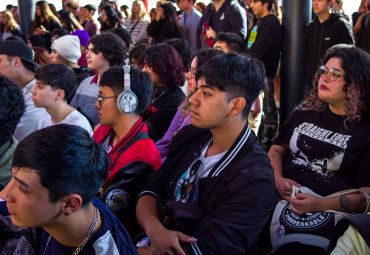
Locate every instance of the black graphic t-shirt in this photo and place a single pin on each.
(324, 155)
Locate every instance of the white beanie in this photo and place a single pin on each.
(68, 46)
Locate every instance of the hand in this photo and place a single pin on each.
(284, 187)
(306, 203)
(158, 13)
(39, 31)
(210, 33)
(165, 241)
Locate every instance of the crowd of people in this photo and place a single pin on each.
(135, 131)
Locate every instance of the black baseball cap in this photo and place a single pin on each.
(19, 49)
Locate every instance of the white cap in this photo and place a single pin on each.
(68, 46)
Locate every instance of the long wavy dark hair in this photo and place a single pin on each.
(46, 14)
(166, 63)
(356, 65)
(112, 21)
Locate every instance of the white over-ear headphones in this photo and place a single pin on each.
(127, 100)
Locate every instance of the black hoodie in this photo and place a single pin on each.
(321, 36)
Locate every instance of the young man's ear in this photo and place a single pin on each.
(17, 61)
(238, 105)
(60, 95)
(71, 203)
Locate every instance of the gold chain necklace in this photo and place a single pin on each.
(87, 237)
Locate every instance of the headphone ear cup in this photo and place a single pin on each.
(120, 105)
(127, 101)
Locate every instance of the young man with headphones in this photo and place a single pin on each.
(124, 94)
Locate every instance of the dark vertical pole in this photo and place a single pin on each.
(26, 14)
(296, 14)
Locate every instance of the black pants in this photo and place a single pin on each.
(271, 116)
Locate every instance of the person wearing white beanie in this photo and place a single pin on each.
(67, 47)
(66, 51)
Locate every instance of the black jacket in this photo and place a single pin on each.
(236, 198)
(321, 36)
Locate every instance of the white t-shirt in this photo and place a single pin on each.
(74, 118)
(32, 115)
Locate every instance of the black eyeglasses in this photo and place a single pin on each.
(332, 74)
(101, 99)
(188, 184)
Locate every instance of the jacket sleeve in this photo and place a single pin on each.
(344, 33)
(122, 195)
(238, 21)
(234, 226)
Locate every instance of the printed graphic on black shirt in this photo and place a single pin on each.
(325, 161)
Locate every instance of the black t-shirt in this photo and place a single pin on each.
(324, 155)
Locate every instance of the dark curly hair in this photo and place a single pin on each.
(355, 63)
(12, 108)
(111, 46)
(166, 63)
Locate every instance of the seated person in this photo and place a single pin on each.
(182, 116)
(66, 51)
(167, 71)
(215, 173)
(324, 145)
(11, 110)
(232, 43)
(229, 43)
(55, 84)
(124, 135)
(17, 64)
(56, 173)
(104, 50)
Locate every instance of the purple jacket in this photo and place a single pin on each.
(178, 122)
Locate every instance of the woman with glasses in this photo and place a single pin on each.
(325, 146)
(182, 116)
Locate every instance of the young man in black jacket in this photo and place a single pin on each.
(326, 30)
(215, 189)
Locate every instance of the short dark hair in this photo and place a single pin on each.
(233, 41)
(138, 51)
(59, 32)
(111, 46)
(58, 76)
(270, 2)
(90, 7)
(123, 34)
(182, 47)
(11, 108)
(141, 85)
(237, 75)
(166, 63)
(66, 159)
(206, 54)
